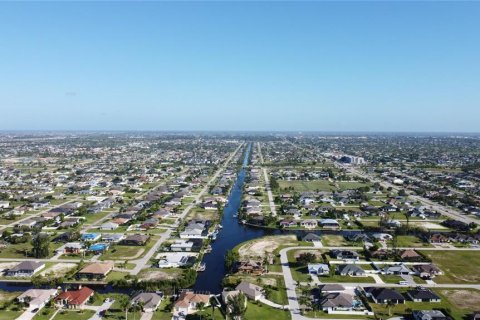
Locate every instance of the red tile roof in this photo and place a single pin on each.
(76, 297)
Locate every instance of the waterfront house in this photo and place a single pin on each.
(36, 298)
(149, 301)
(250, 290)
(309, 223)
(95, 271)
(73, 299)
(25, 269)
(188, 301)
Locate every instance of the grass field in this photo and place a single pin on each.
(262, 311)
(334, 241)
(119, 252)
(303, 185)
(74, 315)
(458, 266)
(411, 241)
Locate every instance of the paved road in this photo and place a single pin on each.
(271, 202)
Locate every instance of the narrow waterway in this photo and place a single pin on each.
(232, 234)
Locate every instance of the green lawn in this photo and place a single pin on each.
(74, 315)
(119, 252)
(334, 241)
(303, 185)
(44, 314)
(411, 241)
(262, 311)
(9, 314)
(164, 313)
(347, 279)
(391, 278)
(458, 266)
(115, 275)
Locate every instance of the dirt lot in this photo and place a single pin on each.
(265, 245)
(4, 266)
(59, 269)
(463, 299)
(159, 275)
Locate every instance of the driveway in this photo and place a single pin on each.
(105, 306)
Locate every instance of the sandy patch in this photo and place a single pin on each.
(430, 225)
(4, 266)
(59, 269)
(463, 299)
(159, 275)
(265, 245)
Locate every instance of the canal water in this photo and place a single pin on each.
(232, 234)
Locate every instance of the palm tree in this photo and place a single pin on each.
(237, 306)
(390, 304)
(124, 303)
(200, 307)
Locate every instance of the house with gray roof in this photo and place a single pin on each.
(350, 270)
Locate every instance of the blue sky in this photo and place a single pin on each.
(321, 66)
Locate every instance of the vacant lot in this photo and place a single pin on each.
(303, 185)
(465, 301)
(156, 274)
(411, 241)
(458, 266)
(334, 241)
(266, 245)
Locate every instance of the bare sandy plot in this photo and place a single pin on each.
(266, 245)
(59, 269)
(463, 299)
(4, 266)
(429, 225)
(159, 275)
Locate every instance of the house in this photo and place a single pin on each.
(186, 245)
(149, 223)
(438, 238)
(250, 290)
(90, 237)
(331, 287)
(398, 269)
(188, 300)
(108, 226)
(95, 270)
(36, 298)
(196, 230)
(112, 237)
(250, 267)
(410, 255)
(311, 237)
(226, 295)
(98, 248)
(288, 223)
(73, 248)
(4, 204)
(329, 224)
(150, 301)
(75, 298)
(309, 223)
(135, 240)
(384, 295)
(319, 269)
(25, 269)
(350, 270)
(344, 254)
(175, 260)
(333, 301)
(429, 315)
(426, 271)
(421, 294)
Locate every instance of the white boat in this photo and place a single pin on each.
(201, 267)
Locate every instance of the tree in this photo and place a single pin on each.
(230, 258)
(200, 307)
(237, 306)
(40, 246)
(390, 304)
(306, 257)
